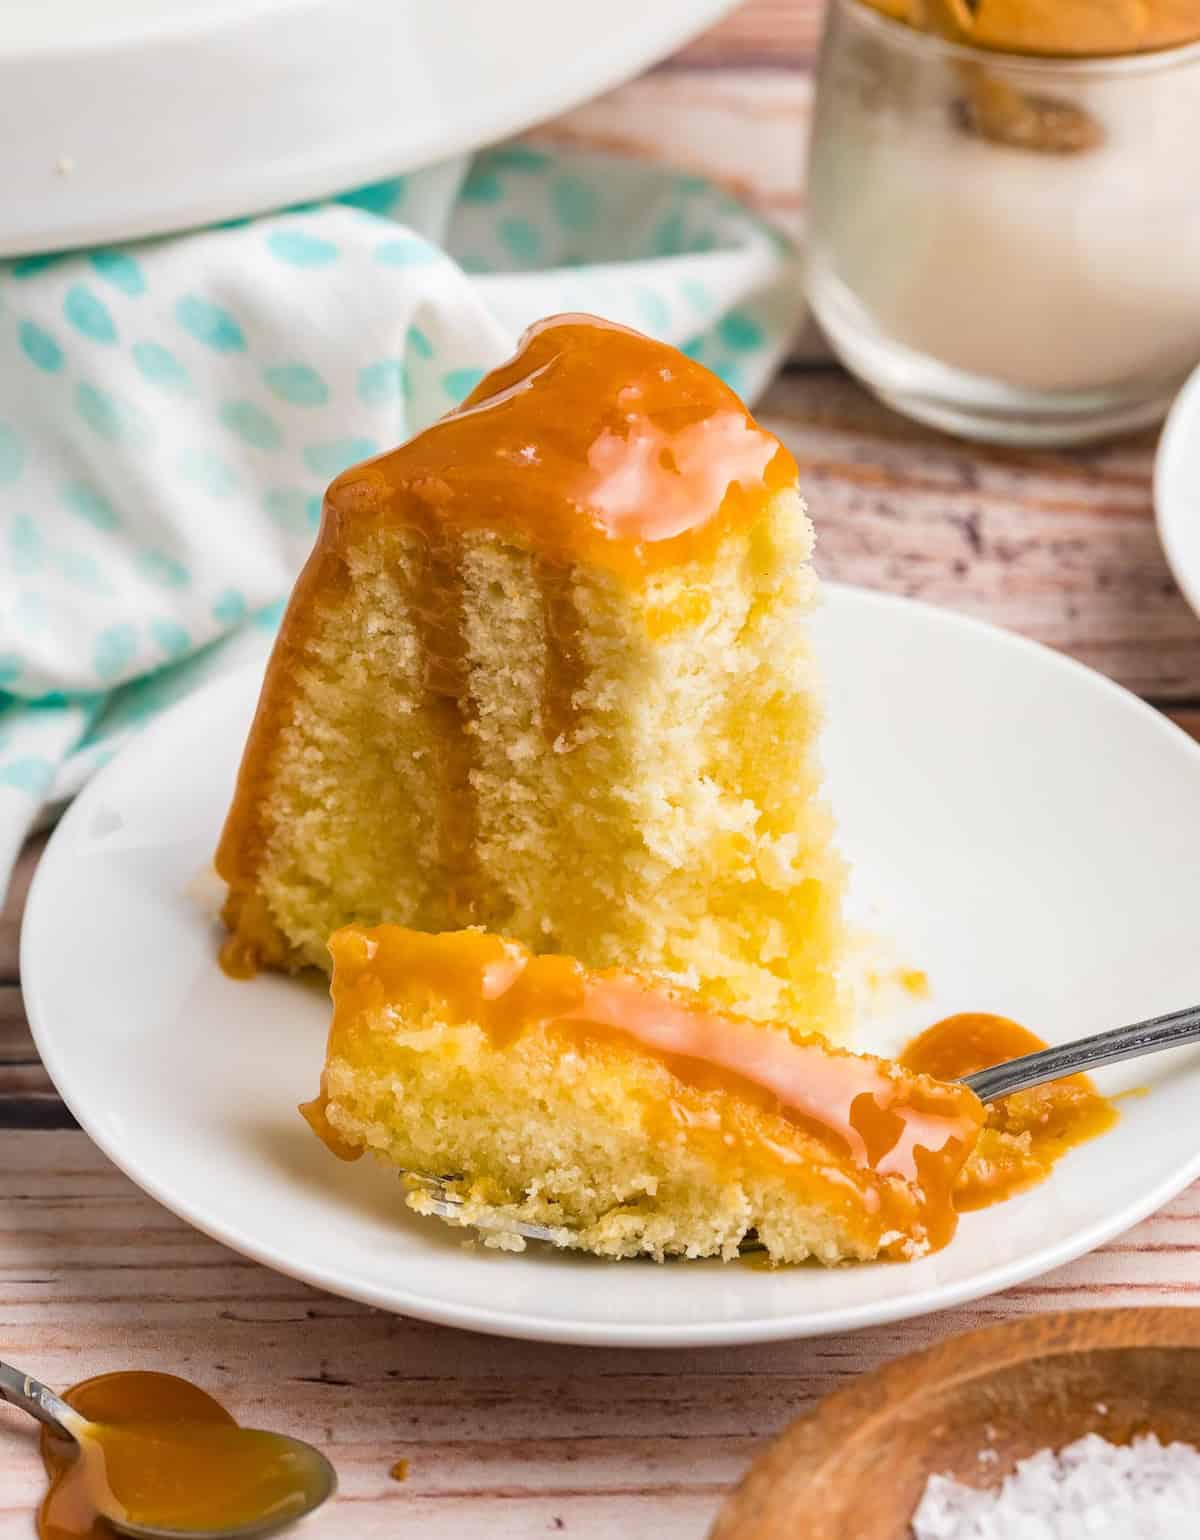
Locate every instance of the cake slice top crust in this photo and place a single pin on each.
(592, 444)
(893, 1132)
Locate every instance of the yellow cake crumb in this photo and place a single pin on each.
(482, 709)
(623, 1119)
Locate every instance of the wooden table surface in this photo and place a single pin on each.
(510, 1439)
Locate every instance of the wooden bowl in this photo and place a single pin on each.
(854, 1468)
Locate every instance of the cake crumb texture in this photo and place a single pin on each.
(674, 823)
(523, 1081)
(484, 710)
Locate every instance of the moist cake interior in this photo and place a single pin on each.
(547, 672)
(627, 1119)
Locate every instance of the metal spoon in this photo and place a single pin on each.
(1153, 1035)
(439, 1198)
(316, 1478)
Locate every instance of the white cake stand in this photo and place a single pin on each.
(137, 117)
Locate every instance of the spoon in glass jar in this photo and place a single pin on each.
(182, 1480)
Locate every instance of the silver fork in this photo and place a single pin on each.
(1154, 1035)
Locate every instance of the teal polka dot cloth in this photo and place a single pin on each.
(171, 411)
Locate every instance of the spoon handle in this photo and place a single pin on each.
(37, 1399)
(1033, 1069)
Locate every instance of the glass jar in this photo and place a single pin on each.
(1005, 246)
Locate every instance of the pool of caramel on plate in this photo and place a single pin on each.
(1025, 1134)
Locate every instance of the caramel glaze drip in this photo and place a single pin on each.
(892, 1142)
(566, 669)
(1026, 1133)
(443, 647)
(201, 1475)
(592, 445)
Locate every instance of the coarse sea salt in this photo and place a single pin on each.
(1091, 1490)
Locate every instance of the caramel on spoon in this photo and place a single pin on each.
(171, 1480)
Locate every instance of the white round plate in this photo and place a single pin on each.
(1029, 831)
(1177, 490)
(138, 117)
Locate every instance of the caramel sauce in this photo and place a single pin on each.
(594, 445)
(568, 670)
(892, 1143)
(1024, 1135)
(169, 1455)
(1054, 27)
(444, 651)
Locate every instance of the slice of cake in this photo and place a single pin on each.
(625, 1118)
(546, 672)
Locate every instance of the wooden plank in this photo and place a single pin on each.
(16, 1045)
(776, 33)
(1060, 545)
(39, 1110)
(28, 1099)
(95, 1276)
(27, 1095)
(14, 904)
(747, 129)
(23, 1081)
(1187, 717)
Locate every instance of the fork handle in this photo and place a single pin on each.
(38, 1400)
(1033, 1069)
